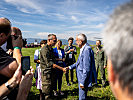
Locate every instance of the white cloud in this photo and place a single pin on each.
(26, 31)
(61, 16)
(79, 26)
(57, 15)
(91, 35)
(26, 6)
(99, 26)
(74, 18)
(43, 35)
(24, 10)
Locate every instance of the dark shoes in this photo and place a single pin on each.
(58, 93)
(61, 93)
(74, 82)
(103, 85)
(68, 84)
(55, 93)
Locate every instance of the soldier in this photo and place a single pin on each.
(100, 61)
(47, 62)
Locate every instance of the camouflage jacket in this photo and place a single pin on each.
(100, 57)
(47, 59)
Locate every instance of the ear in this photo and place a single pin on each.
(48, 40)
(1, 35)
(111, 74)
(81, 42)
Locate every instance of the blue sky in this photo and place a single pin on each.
(65, 18)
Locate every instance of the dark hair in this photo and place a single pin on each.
(60, 42)
(43, 42)
(71, 38)
(5, 26)
(16, 30)
(50, 36)
(99, 41)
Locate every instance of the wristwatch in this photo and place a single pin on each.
(8, 86)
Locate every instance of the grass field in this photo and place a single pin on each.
(71, 92)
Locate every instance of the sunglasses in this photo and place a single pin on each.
(54, 40)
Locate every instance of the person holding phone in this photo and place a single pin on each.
(10, 73)
(37, 74)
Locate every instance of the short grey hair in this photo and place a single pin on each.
(118, 44)
(82, 37)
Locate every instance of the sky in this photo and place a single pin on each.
(65, 18)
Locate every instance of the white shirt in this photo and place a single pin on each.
(36, 55)
(4, 46)
(81, 50)
(60, 56)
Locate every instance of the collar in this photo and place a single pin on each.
(81, 50)
(49, 47)
(70, 45)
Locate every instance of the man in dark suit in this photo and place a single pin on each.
(83, 65)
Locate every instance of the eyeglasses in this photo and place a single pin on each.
(54, 40)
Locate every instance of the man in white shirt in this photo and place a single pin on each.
(83, 65)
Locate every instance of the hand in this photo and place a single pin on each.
(81, 86)
(25, 85)
(9, 51)
(63, 59)
(71, 50)
(64, 70)
(17, 42)
(67, 68)
(18, 74)
(15, 80)
(105, 66)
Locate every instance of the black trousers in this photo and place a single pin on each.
(67, 76)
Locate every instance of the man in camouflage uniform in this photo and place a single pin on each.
(47, 62)
(100, 61)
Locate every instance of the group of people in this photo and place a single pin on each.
(118, 37)
(51, 62)
(118, 47)
(62, 57)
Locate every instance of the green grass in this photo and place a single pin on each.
(71, 92)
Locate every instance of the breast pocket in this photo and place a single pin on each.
(46, 77)
(101, 55)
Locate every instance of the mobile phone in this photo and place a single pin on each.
(25, 61)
